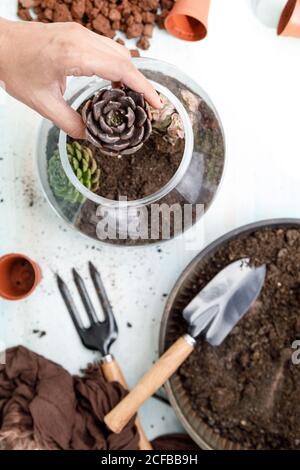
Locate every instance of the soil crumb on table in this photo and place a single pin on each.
(247, 390)
(39, 333)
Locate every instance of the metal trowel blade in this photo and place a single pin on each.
(216, 310)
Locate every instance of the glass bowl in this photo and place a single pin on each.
(169, 211)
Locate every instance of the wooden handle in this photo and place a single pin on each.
(162, 370)
(112, 373)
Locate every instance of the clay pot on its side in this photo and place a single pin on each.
(19, 276)
(289, 23)
(188, 19)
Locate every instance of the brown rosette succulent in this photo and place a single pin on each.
(117, 121)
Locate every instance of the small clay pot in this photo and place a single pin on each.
(289, 22)
(188, 19)
(19, 276)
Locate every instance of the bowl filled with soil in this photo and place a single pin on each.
(141, 176)
(243, 394)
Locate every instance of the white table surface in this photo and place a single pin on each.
(253, 78)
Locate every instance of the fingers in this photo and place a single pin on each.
(121, 69)
(64, 117)
(112, 61)
(135, 80)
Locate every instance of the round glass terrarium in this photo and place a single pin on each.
(156, 216)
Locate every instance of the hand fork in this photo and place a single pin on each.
(100, 335)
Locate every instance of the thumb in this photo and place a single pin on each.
(64, 117)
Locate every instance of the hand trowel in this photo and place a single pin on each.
(212, 315)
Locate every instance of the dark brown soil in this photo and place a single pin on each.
(139, 175)
(22, 276)
(247, 390)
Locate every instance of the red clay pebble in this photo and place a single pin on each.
(136, 19)
(143, 43)
(135, 53)
(148, 30)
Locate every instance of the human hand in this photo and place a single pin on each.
(36, 58)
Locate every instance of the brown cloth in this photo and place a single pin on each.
(43, 407)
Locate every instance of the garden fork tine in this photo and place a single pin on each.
(101, 292)
(99, 335)
(70, 304)
(102, 295)
(109, 318)
(85, 297)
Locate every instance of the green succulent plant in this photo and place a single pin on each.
(59, 182)
(84, 165)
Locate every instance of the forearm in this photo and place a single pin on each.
(36, 58)
(5, 28)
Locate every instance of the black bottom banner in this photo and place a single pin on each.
(134, 459)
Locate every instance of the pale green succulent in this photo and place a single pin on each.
(85, 168)
(59, 182)
(84, 165)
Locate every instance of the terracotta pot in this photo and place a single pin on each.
(188, 19)
(289, 23)
(19, 276)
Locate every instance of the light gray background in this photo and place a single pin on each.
(253, 78)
